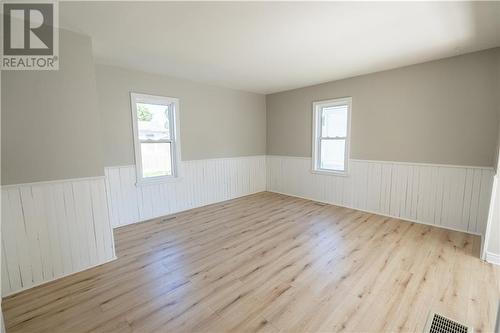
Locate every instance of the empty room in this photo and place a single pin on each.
(250, 166)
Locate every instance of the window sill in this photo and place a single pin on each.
(331, 173)
(158, 180)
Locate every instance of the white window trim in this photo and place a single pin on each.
(317, 106)
(176, 142)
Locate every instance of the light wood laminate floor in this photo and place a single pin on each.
(271, 263)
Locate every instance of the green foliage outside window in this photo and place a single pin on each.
(143, 114)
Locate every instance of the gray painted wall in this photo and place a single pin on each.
(215, 122)
(441, 112)
(50, 119)
(494, 236)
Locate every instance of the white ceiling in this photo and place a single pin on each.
(267, 47)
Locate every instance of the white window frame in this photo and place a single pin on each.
(316, 139)
(175, 143)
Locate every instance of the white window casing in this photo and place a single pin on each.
(169, 136)
(330, 161)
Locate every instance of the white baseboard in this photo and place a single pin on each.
(451, 197)
(55, 229)
(380, 214)
(203, 182)
(493, 258)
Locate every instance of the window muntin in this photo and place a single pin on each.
(331, 135)
(156, 143)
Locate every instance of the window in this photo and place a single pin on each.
(331, 124)
(156, 139)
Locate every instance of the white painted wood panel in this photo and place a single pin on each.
(202, 182)
(452, 197)
(53, 229)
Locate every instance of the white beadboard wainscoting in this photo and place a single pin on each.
(201, 182)
(53, 229)
(453, 197)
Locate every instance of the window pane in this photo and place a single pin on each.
(156, 159)
(334, 121)
(153, 121)
(332, 155)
